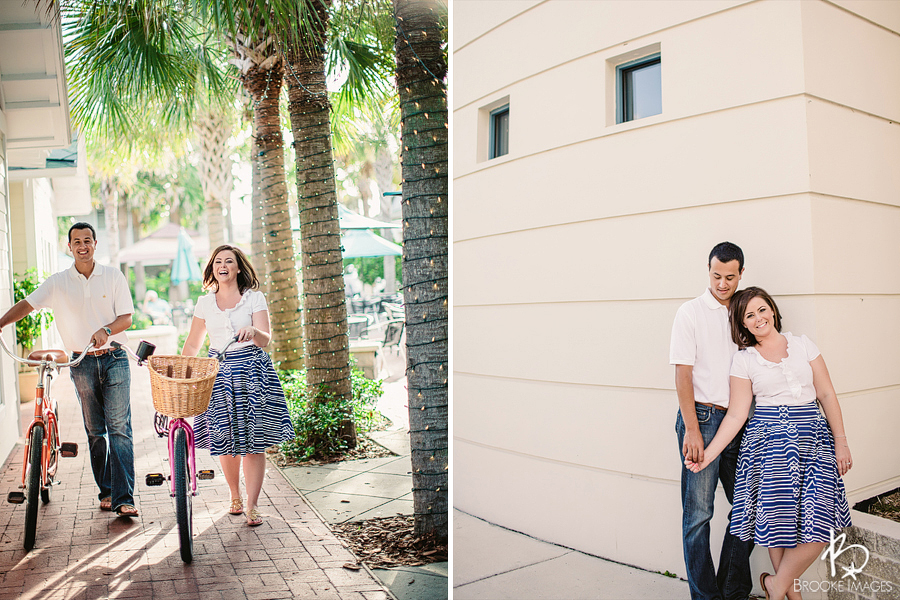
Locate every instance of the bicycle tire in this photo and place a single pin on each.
(33, 484)
(181, 473)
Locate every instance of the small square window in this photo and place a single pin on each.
(639, 86)
(499, 143)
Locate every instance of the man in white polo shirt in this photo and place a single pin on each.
(92, 303)
(701, 351)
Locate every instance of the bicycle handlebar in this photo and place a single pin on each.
(221, 355)
(140, 361)
(37, 363)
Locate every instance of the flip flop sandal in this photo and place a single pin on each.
(106, 503)
(127, 510)
(237, 507)
(762, 583)
(254, 518)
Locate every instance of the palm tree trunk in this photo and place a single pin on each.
(264, 85)
(325, 308)
(215, 170)
(109, 196)
(421, 70)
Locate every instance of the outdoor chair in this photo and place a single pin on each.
(358, 325)
(394, 311)
(393, 333)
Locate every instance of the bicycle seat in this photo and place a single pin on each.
(54, 355)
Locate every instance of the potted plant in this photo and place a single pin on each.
(28, 330)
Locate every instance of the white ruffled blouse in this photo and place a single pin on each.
(223, 325)
(789, 382)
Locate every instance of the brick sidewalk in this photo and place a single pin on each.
(83, 553)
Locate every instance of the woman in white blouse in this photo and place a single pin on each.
(247, 412)
(788, 494)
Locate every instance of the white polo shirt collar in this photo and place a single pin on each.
(711, 301)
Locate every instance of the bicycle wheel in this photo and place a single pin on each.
(33, 484)
(181, 474)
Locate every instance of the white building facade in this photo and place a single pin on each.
(773, 124)
(42, 170)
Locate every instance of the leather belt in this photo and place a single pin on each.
(716, 406)
(100, 352)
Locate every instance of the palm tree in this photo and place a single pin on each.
(213, 129)
(421, 72)
(325, 308)
(126, 58)
(261, 72)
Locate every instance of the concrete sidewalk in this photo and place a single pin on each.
(379, 487)
(83, 553)
(494, 563)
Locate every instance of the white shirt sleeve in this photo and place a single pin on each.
(43, 296)
(739, 367)
(812, 351)
(122, 302)
(683, 348)
(258, 302)
(199, 308)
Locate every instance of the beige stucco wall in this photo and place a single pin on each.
(572, 253)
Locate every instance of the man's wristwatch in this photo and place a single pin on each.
(107, 330)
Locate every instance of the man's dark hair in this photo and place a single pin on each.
(727, 252)
(82, 225)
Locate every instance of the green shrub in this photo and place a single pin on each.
(318, 420)
(140, 321)
(204, 348)
(29, 329)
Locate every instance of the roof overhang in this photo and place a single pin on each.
(34, 105)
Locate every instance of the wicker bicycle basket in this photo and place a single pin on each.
(182, 385)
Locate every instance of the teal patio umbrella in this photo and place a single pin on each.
(185, 266)
(362, 242)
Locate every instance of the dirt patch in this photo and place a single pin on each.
(389, 542)
(886, 506)
(365, 448)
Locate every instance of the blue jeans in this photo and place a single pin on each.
(103, 386)
(698, 495)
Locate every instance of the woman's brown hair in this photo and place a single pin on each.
(246, 278)
(737, 308)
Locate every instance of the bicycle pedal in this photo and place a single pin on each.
(155, 479)
(15, 497)
(206, 474)
(68, 449)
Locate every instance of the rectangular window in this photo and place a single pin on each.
(499, 144)
(639, 87)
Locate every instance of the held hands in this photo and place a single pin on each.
(693, 446)
(246, 334)
(695, 467)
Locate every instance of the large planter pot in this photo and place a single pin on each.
(165, 337)
(27, 383)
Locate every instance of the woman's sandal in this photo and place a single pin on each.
(106, 503)
(762, 583)
(127, 510)
(254, 518)
(237, 507)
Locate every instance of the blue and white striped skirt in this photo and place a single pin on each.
(787, 489)
(247, 412)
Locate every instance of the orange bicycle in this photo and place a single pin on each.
(42, 446)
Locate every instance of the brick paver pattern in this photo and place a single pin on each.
(84, 553)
